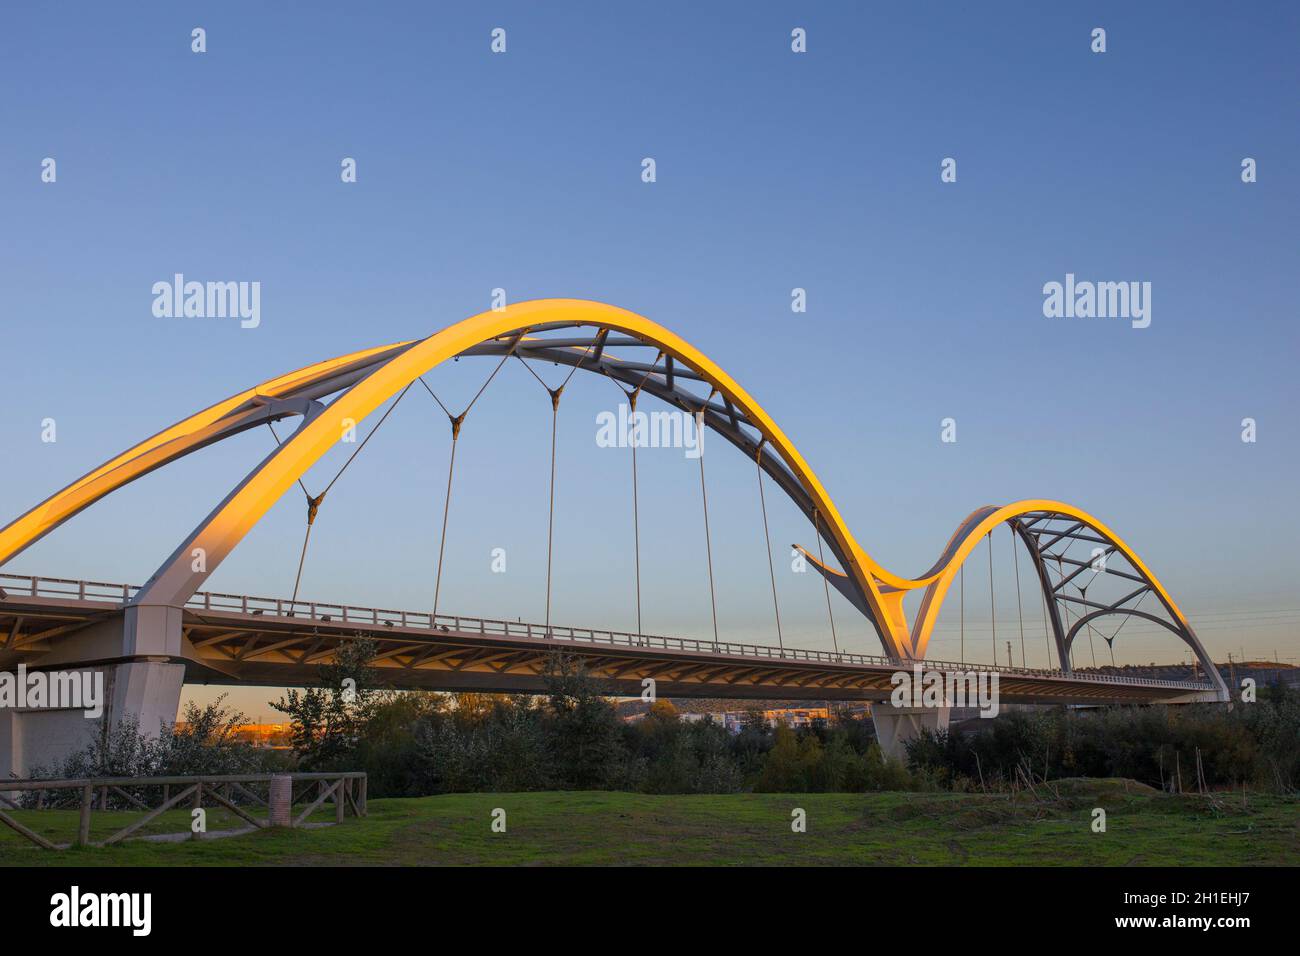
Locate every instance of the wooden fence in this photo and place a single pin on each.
(346, 789)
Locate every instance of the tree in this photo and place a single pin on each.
(786, 766)
(326, 722)
(587, 744)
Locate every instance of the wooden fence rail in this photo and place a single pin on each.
(347, 789)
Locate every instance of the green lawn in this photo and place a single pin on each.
(937, 829)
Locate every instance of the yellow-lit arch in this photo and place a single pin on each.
(251, 501)
(245, 409)
(390, 369)
(372, 376)
(984, 520)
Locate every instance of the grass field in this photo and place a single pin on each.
(937, 829)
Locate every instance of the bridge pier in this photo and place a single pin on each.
(131, 661)
(895, 726)
(148, 691)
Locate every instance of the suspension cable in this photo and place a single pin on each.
(278, 443)
(555, 394)
(575, 368)
(708, 544)
(1015, 557)
(1083, 612)
(961, 577)
(446, 511)
(826, 584)
(993, 611)
(434, 396)
(550, 520)
(631, 395)
(314, 503)
(482, 388)
(369, 435)
(1083, 593)
(456, 421)
(636, 509)
(1127, 617)
(1069, 622)
(771, 568)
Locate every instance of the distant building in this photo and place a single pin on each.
(734, 721)
(796, 716)
(270, 736)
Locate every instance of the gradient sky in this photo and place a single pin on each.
(775, 170)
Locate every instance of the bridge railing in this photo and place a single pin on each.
(66, 588)
(347, 614)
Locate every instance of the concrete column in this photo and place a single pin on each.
(895, 726)
(152, 629)
(148, 691)
(137, 658)
(11, 749)
(33, 738)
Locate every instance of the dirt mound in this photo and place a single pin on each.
(1102, 786)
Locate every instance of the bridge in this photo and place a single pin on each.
(276, 642)
(150, 639)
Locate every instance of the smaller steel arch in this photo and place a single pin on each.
(1037, 523)
(1040, 525)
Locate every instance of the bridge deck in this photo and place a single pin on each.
(275, 642)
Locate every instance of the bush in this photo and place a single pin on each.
(203, 744)
(680, 757)
(498, 747)
(412, 744)
(1254, 745)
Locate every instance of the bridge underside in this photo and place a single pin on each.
(232, 647)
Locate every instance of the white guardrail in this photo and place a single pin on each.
(100, 592)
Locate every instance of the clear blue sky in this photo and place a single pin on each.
(775, 170)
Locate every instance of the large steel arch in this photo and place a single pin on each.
(367, 378)
(375, 375)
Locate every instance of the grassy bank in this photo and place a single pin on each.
(941, 829)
